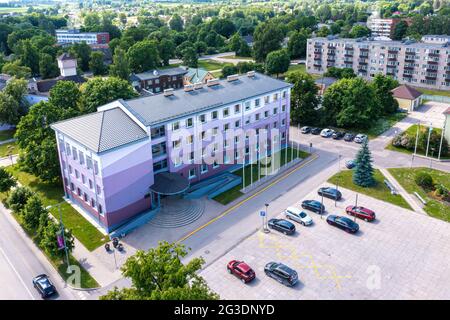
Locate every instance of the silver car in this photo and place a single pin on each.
(298, 215)
(360, 138)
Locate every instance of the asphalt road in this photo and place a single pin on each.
(20, 262)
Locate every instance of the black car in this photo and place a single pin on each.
(44, 286)
(331, 193)
(343, 223)
(314, 206)
(337, 135)
(349, 137)
(305, 129)
(316, 131)
(282, 273)
(350, 164)
(282, 225)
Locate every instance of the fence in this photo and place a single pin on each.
(436, 98)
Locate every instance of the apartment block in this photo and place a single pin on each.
(422, 64)
(118, 161)
(64, 36)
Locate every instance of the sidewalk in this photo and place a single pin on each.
(408, 197)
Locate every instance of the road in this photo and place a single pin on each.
(217, 57)
(20, 261)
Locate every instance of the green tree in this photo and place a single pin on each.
(176, 23)
(121, 66)
(97, 64)
(239, 46)
(65, 95)
(7, 181)
(32, 212)
(16, 69)
(267, 38)
(159, 274)
(277, 62)
(340, 73)
(229, 70)
(12, 102)
(47, 66)
(28, 55)
(383, 86)
(297, 44)
(323, 31)
(359, 31)
(323, 12)
(48, 239)
(18, 198)
(98, 92)
(82, 52)
(190, 57)
(350, 103)
(304, 98)
(143, 56)
(400, 30)
(166, 50)
(363, 172)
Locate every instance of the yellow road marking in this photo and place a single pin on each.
(314, 157)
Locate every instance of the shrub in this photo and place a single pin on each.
(18, 198)
(32, 211)
(424, 180)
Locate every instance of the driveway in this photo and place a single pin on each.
(401, 255)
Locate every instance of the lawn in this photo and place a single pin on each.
(379, 191)
(52, 194)
(7, 134)
(237, 57)
(250, 173)
(212, 65)
(434, 207)
(302, 68)
(8, 147)
(412, 130)
(445, 93)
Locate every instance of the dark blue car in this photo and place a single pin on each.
(282, 225)
(314, 206)
(343, 223)
(331, 193)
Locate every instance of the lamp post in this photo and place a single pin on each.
(266, 229)
(62, 231)
(431, 158)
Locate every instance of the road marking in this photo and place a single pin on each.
(17, 273)
(237, 205)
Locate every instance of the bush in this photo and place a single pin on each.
(31, 213)
(424, 180)
(18, 198)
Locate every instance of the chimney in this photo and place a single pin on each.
(233, 77)
(251, 74)
(168, 92)
(188, 87)
(212, 82)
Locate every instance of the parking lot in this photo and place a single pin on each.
(401, 255)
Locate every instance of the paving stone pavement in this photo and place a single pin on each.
(401, 255)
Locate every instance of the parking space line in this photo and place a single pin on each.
(226, 212)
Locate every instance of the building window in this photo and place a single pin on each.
(175, 125)
(202, 118)
(275, 110)
(79, 192)
(91, 186)
(159, 149)
(237, 108)
(283, 108)
(275, 96)
(190, 139)
(236, 155)
(83, 178)
(226, 126)
(226, 112)
(92, 203)
(204, 168)
(99, 190)
(191, 173)
(176, 143)
(89, 162)
(68, 149)
(191, 156)
(160, 165)
(247, 120)
(226, 159)
(284, 94)
(157, 132)
(266, 114)
(214, 115)
(266, 99)
(81, 157)
(215, 131)
(275, 124)
(236, 139)
(257, 117)
(77, 174)
(237, 124)
(72, 187)
(70, 169)
(247, 105)
(257, 103)
(189, 122)
(95, 167)
(283, 122)
(215, 165)
(100, 209)
(74, 153)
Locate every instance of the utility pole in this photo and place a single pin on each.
(429, 136)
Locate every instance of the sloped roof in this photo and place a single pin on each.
(46, 85)
(66, 56)
(196, 74)
(406, 92)
(103, 130)
(148, 75)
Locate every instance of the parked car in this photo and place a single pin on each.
(360, 138)
(282, 225)
(241, 270)
(350, 164)
(331, 193)
(343, 223)
(282, 273)
(44, 286)
(361, 212)
(315, 131)
(349, 137)
(326, 133)
(298, 216)
(337, 135)
(305, 129)
(314, 206)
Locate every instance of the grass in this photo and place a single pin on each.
(431, 92)
(212, 65)
(250, 174)
(299, 67)
(412, 131)
(52, 194)
(434, 207)
(379, 190)
(237, 57)
(8, 147)
(7, 134)
(217, 74)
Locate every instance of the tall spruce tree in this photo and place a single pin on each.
(363, 173)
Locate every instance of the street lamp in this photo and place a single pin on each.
(266, 229)
(62, 231)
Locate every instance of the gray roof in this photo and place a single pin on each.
(163, 72)
(103, 130)
(159, 108)
(169, 183)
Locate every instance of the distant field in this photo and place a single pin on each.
(22, 9)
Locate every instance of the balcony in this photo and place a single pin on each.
(348, 55)
(317, 58)
(407, 75)
(364, 49)
(433, 54)
(317, 64)
(431, 70)
(331, 59)
(409, 60)
(362, 70)
(408, 67)
(430, 77)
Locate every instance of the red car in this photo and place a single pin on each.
(241, 270)
(361, 212)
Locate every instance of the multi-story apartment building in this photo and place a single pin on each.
(421, 64)
(64, 36)
(156, 81)
(382, 27)
(115, 162)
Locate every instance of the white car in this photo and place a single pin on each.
(326, 133)
(298, 216)
(360, 138)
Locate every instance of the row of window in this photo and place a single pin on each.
(85, 197)
(81, 177)
(78, 155)
(214, 115)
